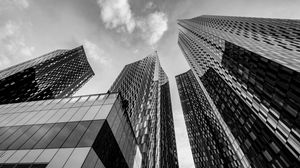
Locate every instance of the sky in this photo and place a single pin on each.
(118, 32)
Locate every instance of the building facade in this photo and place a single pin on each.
(209, 142)
(91, 131)
(54, 75)
(145, 85)
(249, 71)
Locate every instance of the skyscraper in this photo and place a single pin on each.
(90, 131)
(249, 71)
(208, 135)
(145, 85)
(54, 75)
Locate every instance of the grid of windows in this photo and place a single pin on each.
(250, 69)
(209, 143)
(145, 85)
(66, 132)
(54, 75)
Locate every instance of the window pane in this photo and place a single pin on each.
(20, 141)
(19, 117)
(99, 164)
(26, 118)
(17, 156)
(57, 116)
(31, 156)
(4, 117)
(13, 137)
(37, 136)
(71, 102)
(9, 132)
(79, 114)
(6, 155)
(46, 156)
(62, 136)
(68, 115)
(60, 158)
(3, 130)
(90, 160)
(112, 117)
(46, 117)
(76, 135)
(91, 113)
(80, 101)
(77, 158)
(90, 100)
(90, 134)
(47, 138)
(11, 117)
(36, 117)
(104, 110)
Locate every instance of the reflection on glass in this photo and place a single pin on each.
(77, 158)
(37, 136)
(47, 138)
(76, 135)
(90, 134)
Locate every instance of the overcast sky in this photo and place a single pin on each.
(118, 32)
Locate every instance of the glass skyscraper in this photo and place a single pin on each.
(248, 69)
(209, 140)
(90, 131)
(145, 85)
(54, 75)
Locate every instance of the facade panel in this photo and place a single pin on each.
(145, 86)
(72, 141)
(209, 144)
(54, 75)
(248, 69)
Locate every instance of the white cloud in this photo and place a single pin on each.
(95, 53)
(116, 14)
(22, 4)
(154, 27)
(13, 47)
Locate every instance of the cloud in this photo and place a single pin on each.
(95, 53)
(154, 27)
(116, 14)
(150, 5)
(13, 47)
(22, 4)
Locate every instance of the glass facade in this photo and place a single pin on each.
(209, 142)
(248, 70)
(91, 131)
(145, 86)
(54, 75)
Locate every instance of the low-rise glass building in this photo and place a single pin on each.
(90, 131)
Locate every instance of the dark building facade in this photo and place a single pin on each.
(145, 85)
(249, 71)
(54, 75)
(92, 131)
(208, 136)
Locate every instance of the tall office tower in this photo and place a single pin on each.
(90, 131)
(145, 85)
(54, 75)
(208, 139)
(249, 71)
